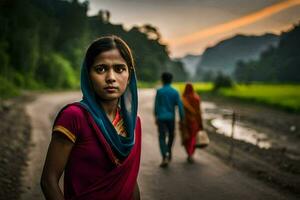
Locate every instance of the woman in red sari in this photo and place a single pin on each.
(97, 142)
(193, 119)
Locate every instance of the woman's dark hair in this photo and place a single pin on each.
(107, 43)
(166, 78)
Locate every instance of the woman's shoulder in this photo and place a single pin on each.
(72, 110)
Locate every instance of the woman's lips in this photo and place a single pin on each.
(111, 89)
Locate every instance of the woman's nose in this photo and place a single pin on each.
(110, 76)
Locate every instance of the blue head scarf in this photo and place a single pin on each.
(128, 102)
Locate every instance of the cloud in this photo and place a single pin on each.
(237, 23)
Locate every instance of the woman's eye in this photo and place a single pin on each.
(120, 69)
(100, 69)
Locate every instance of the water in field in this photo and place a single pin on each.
(255, 134)
(241, 132)
(222, 121)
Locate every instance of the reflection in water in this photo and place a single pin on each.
(251, 133)
(241, 132)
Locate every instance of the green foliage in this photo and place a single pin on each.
(56, 72)
(7, 89)
(73, 31)
(277, 65)
(151, 56)
(42, 43)
(222, 81)
(18, 80)
(4, 58)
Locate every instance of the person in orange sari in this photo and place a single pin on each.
(192, 121)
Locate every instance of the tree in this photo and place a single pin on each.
(222, 81)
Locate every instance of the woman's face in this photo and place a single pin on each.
(109, 75)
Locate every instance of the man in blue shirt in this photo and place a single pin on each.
(166, 99)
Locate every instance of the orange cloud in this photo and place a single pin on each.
(228, 26)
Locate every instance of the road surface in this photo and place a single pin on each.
(208, 178)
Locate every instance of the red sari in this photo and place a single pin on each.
(193, 119)
(93, 171)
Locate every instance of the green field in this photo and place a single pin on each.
(199, 87)
(283, 96)
(279, 95)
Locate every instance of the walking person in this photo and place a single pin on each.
(97, 142)
(192, 120)
(166, 99)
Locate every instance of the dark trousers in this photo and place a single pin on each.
(166, 136)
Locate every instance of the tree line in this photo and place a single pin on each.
(279, 64)
(42, 44)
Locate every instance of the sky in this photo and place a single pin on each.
(190, 26)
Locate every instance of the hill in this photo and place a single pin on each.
(224, 55)
(276, 64)
(190, 63)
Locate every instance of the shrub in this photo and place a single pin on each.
(56, 72)
(222, 81)
(7, 89)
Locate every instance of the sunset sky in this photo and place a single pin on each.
(189, 26)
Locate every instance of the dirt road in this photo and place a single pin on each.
(208, 178)
(41, 112)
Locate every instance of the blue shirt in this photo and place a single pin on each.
(165, 101)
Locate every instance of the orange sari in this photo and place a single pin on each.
(193, 119)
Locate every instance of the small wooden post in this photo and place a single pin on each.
(232, 124)
(232, 136)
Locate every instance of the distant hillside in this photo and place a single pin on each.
(190, 63)
(224, 55)
(279, 64)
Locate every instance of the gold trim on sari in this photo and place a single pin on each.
(66, 132)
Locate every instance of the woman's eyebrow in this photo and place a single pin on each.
(113, 65)
(100, 64)
(120, 64)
